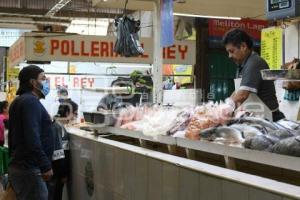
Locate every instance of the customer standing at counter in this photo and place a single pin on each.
(30, 137)
(61, 157)
(239, 46)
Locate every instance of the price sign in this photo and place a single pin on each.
(271, 46)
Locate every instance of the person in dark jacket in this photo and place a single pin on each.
(30, 137)
(67, 112)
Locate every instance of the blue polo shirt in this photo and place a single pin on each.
(30, 135)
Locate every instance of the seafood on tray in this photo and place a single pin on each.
(208, 122)
(160, 121)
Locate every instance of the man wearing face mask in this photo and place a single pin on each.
(239, 46)
(30, 137)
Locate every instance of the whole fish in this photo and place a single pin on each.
(256, 120)
(281, 134)
(227, 135)
(247, 131)
(182, 121)
(260, 142)
(289, 124)
(289, 146)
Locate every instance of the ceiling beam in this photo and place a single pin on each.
(57, 7)
(63, 14)
(228, 8)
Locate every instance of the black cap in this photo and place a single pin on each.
(27, 73)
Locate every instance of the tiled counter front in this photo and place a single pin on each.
(103, 169)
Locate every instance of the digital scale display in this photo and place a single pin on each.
(275, 5)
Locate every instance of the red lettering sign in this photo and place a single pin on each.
(75, 82)
(218, 27)
(74, 53)
(83, 53)
(65, 48)
(183, 51)
(54, 46)
(104, 49)
(171, 53)
(94, 49)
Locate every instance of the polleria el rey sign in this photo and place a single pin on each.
(78, 48)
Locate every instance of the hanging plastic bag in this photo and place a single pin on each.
(128, 43)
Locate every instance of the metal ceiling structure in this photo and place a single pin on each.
(228, 8)
(30, 13)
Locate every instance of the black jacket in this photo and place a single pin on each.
(30, 137)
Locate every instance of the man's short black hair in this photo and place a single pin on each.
(236, 37)
(26, 74)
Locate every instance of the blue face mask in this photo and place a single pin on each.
(45, 89)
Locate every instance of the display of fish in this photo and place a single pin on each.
(247, 131)
(207, 123)
(181, 122)
(256, 120)
(260, 142)
(281, 134)
(222, 134)
(289, 146)
(289, 124)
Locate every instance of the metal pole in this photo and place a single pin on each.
(157, 55)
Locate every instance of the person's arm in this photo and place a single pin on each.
(31, 123)
(239, 97)
(250, 83)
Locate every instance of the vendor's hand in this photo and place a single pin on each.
(225, 114)
(47, 175)
(226, 110)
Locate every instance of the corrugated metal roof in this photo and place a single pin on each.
(74, 5)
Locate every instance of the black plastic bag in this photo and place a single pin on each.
(128, 43)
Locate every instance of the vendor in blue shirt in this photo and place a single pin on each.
(30, 137)
(239, 46)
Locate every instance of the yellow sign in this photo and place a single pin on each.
(12, 73)
(39, 47)
(185, 73)
(271, 46)
(12, 82)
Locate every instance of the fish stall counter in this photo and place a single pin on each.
(105, 168)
